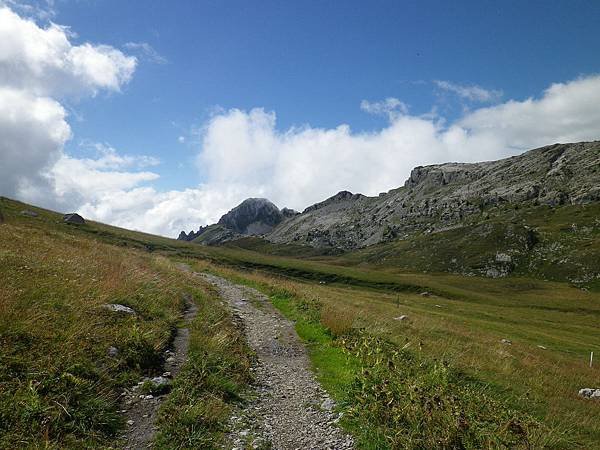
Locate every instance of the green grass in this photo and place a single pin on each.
(197, 411)
(53, 339)
(59, 388)
(396, 398)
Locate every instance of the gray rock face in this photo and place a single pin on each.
(73, 218)
(440, 197)
(253, 216)
(183, 236)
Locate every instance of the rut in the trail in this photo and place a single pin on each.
(141, 410)
(290, 409)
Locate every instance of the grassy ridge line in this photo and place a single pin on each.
(394, 398)
(196, 413)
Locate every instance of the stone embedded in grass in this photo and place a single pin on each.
(506, 341)
(112, 351)
(116, 307)
(402, 317)
(74, 219)
(155, 386)
(328, 404)
(29, 213)
(589, 393)
(425, 294)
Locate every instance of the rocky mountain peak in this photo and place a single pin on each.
(252, 217)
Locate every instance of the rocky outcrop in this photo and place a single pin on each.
(435, 199)
(74, 219)
(183, 236)
(442, 196)
(253, 216)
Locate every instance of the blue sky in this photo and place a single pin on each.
(314, 61)
(202, 67)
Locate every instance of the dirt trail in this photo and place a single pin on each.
(141, 410)
(290, 410)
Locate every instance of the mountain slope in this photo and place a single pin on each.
(449, 195)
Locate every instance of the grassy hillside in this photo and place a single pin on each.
(59, 387)
(559, 243)
(57, 380)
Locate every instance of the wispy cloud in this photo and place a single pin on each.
(146, 51)
(390, 107)
(473, 92)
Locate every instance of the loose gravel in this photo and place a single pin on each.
(287, 409)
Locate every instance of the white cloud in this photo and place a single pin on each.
(43, 61)
(242, 153)
(147, 52)
(33, 130)
(108, 158)
(390, 107)
(472, 93)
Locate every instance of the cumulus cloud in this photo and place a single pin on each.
(299, 166)
(43, 61)
(39, 66)
(33, 130)
(241, 153)
(473, 93)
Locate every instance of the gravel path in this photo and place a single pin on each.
(289, 409)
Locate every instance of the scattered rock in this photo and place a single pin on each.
(167, 374)
(328, 404)
(159, 381)
(403, 317)
(112, 351)
(115, 307)
(438, 306)
(589, 393)
(130, 422)
(73, 218)
(542, 347)
(29, 213)
(425, 294)
(506, 341)
(503, 258)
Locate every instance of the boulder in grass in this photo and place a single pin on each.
(29, 213)
(74, 219)
(589, 393)
(115, 307)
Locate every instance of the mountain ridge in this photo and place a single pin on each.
(434, 197)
